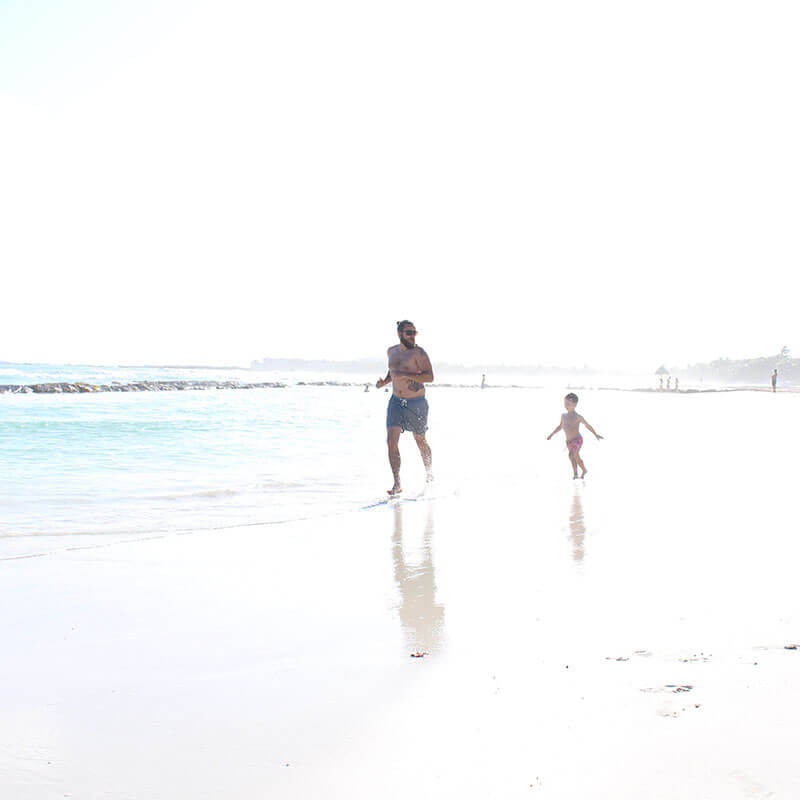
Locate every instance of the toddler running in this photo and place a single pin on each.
(570, 424)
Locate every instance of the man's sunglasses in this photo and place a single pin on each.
(409, 333)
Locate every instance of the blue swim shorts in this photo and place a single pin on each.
(409, 414)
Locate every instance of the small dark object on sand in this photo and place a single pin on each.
(418, 655)
(791, 647)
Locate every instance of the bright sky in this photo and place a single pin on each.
(604, 183)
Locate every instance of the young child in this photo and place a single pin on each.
(570, 424)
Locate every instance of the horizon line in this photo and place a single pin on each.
(365, 361)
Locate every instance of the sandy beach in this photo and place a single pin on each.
(628, 636)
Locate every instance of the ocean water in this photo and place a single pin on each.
(56, 373)
(88, 468)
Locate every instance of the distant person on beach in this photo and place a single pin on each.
(661, 382)
(483, 381)
(570, 424)
(669, 381)
(774, 380)
(676, 384)
(409, 370)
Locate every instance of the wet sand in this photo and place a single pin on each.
(627, 636)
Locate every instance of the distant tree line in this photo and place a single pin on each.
(747, 370)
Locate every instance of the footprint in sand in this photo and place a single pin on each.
(751, 788)
(669, 709)
(640, 653)
(695, 657)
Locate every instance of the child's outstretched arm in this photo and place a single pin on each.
(555, 431)
(591, 428)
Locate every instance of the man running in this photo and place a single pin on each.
(409, 370)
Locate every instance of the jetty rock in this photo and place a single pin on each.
(81, 387)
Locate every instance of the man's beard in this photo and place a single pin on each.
(409, 343)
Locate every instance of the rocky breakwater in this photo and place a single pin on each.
(138, 386)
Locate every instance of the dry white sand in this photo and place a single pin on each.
(625, 638)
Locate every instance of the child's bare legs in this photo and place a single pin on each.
(574, 463)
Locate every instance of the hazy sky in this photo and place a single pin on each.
(584, 182)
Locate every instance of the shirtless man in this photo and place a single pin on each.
(409, 370)
(570, 424)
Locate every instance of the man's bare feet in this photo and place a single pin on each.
(429, 479)
(575, 476)
(583, 474)
(395, 490)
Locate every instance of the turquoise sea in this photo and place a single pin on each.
(119, 463)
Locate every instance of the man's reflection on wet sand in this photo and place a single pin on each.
(421, 616)
(577, 528)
